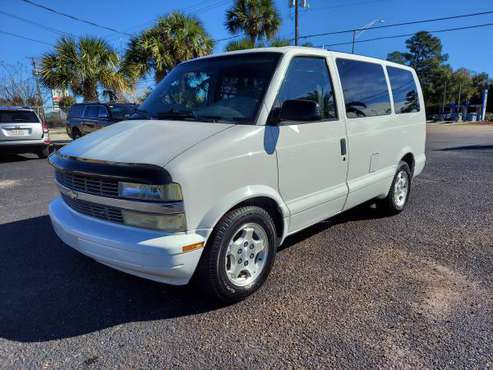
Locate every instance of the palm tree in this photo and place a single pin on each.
(277, 43)
(240, 44)
(82, 66)
(174, 38)
(257, 19)
(246, 43)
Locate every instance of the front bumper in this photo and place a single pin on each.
(145, 253)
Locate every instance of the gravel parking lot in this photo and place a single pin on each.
(359, 290)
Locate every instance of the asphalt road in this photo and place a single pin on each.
(359, 291)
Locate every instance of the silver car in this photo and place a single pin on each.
(21, 131)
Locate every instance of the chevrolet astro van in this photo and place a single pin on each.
(232, 153)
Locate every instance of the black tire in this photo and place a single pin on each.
(43, 153)
(389, 205)
(76, 133)
(211, 273)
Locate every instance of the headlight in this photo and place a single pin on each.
(169, 192)
(171, 223)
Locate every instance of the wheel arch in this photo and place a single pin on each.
(261, 196)
(406, 154)
(409, 159)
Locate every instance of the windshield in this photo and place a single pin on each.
(220, 89)
(18, 116)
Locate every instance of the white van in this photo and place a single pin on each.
(232, 153)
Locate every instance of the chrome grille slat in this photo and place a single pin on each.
(95, 186)
(91, 185)
(94, 210)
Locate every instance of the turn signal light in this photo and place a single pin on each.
(192, 247)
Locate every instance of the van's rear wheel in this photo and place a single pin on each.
(398, 195)
(239, 255)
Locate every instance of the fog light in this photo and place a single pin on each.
(172, 223)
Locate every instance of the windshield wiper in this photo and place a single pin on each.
(219, 119)
(175, 114)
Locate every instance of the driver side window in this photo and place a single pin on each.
(308, 78)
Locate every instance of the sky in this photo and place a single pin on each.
(472, 49)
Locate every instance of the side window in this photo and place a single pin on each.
(76, 110)
(365, 88)
(91, 111)
(404, 90)
(102, 112)
(307, 78)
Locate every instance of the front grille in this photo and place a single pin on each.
(94, 210)
(91, 185)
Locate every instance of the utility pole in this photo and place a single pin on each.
(38, 89)
(444, 97)
(297, 4)
(459, 110)
(296, 22)
(354, 39)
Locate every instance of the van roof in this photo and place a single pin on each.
(309, 51)
(16, 108)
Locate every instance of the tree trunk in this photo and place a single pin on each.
(89, 91)
(253, 39)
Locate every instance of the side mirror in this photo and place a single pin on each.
(300, 110)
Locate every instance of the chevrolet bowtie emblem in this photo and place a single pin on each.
(72, 195)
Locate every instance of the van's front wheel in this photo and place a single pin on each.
(398, 195)
(239, 255)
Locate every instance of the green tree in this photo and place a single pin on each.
(66, 102)
(246, 43)
(240, 44)
(277, 43)
(173, 39)
(256, 19)
(480, 82)
(462, 86)
(83, 66)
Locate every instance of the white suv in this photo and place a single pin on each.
(21, 131)
(232, 153)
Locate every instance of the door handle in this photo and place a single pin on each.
(343, 147)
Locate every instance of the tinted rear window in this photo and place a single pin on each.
(76, 110)
(365, 88)
(404, 90)
(17, 116)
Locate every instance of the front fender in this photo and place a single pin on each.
(232, 199)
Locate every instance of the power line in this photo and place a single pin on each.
(397, 24)
(25, 38)
(73, 17)
(345, 5)
(51, 29)
(226, 38)
(203, 7)
(411, 34)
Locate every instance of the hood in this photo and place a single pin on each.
(146, 141)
